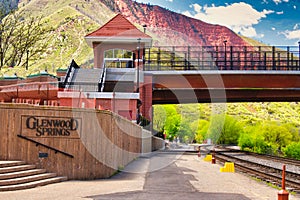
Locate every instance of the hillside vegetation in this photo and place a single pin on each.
(260, 127)
(70, 21)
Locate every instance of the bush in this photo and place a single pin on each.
(292, 150)
(245, 142)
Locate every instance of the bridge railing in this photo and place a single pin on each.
(222, 58)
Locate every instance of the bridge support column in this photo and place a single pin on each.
(146, 97)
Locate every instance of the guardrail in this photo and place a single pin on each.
(222, 58)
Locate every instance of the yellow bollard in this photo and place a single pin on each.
(228, 167)
(208, 158)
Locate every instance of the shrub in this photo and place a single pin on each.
(292, 150)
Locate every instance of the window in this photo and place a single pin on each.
(118, 58)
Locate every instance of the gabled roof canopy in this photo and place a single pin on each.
(118, 30)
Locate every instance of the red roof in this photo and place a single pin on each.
(118, 26)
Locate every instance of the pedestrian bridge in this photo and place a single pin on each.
(202, 86)
(170, 75)
(223, 74)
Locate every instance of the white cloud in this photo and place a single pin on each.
(197, 7)
(296, 26)
(280, 1)
(273, 28)
(169, 0)
(292, 34)
(240, 17)
(277, 1)
(295, 7)
(279, 13)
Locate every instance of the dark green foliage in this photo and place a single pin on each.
(292, 150)
(230, 131)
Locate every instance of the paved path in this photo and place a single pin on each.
(161, 176)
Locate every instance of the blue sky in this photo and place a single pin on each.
(273, 22)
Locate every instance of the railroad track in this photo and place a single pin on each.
(264, 156)
(268, 173)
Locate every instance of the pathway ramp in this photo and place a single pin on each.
(174, 175)
(161, 175)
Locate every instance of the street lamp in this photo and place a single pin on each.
(138, 66)
(144, 26)
(225, 53)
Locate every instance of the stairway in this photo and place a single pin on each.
(120, 80)
(17, 175)
(86, 80)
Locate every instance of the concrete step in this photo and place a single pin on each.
(26, 179)
(16, 168)
(11, 163)
(21, 173)
(87, 75)
(17, 175)
(33, 184)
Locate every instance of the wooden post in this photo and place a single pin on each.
(283, 194)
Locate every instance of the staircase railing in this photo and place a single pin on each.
(69, 75)
(102, 80)
(44, 145)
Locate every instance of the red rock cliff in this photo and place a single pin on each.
(170, 28)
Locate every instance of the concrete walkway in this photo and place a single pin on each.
(160, 176)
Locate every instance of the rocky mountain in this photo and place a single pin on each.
(71, 20)
(174, 28)
(7, 5)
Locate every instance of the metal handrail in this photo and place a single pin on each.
(70, 73)
(222, 58)
(103, 77)
(44, 145)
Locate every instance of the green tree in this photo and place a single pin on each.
(216, 127)
(230, 132)
(22, 39)
(252, 139)
(293, 130)
(200, 128)
(185, 133)
(275, 135)
(159, 118)
(292, 150)
(166, 120)
(172, 123)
